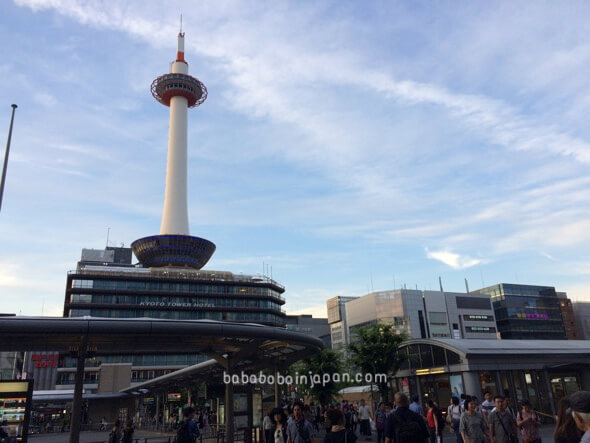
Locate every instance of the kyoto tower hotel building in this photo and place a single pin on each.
(168, 281)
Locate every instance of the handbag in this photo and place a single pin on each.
(509, 434)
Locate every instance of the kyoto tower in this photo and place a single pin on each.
(175, 246)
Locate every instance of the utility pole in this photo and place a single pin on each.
(6, 155)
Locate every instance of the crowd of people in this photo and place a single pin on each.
(494, 420)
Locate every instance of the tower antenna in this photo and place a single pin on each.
(180, 23)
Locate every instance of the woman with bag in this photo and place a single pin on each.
(338, 432)
(280, 425)
(472, 425)
(528, 422)
(433, 422)
(454, 417)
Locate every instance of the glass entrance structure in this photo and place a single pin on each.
(541, 371)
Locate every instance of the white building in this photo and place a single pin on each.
(419, 314)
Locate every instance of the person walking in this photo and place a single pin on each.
(380, 417)
(580, 402)
(432, 422)
(472, 426)
(115, 434)
(487, 405)
(188, 429)
(127, 434)
(454, 417)
(565, 429)
(365, 419)
(338, 433)
(502, 425)
(528, 422)
(299, 430)
(280, 425)
(268, 426)
(415, 405)
(403, 425)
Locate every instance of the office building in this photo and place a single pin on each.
(569, 319)
(526, 311)
(130, 291)
(419, 314)
(582, 316)
(337, 321)
(306, 324)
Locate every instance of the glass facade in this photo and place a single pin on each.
(526, 311)
(176, 295)
(111, 295)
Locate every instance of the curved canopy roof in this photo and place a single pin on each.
(245, 345)
(491, 347)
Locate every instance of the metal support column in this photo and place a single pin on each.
(513, 392)
(157, 412)
(499, 387)
(419, 392)
(250, 401)
(550, 397)
(229, 406)
(277, 391)
(76, 420)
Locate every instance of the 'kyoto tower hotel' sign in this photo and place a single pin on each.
(175, 246)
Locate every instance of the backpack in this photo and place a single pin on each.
(408, 431)
(183, 433)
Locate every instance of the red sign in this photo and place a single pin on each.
(45, 360)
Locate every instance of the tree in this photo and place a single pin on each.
(376, 351)
(323, 364)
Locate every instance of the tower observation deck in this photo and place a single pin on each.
(174, 246)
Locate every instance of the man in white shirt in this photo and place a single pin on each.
(365, 419)
(487, 405)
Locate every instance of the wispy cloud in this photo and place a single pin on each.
(333, 133)
(452, 259)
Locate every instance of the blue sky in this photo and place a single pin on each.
(350, 145)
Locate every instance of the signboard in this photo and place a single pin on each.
(478, 317)
(456, 385)
(45, 360)
(534, 316)
(16, 397)
(174, 397)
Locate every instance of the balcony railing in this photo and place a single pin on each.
(179, 274)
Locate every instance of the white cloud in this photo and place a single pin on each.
(452, 259)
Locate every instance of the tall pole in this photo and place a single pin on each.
(76, 417)
(6, 155)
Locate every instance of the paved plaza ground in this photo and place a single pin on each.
(159, 437)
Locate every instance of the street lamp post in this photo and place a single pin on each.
(6, 155)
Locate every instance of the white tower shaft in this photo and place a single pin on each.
(175, 214)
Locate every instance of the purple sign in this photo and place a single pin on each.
(541, 316)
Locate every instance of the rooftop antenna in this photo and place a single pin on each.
(180, 24)
(108, 234)
(371, 274)
(440, 284)
(466, 286)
